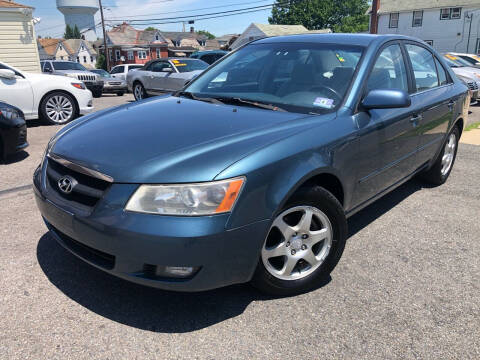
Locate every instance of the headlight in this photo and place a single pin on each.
(9, 114)
(80, 86)
(187, 199)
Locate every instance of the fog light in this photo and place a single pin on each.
(90, 103)
(179, 271)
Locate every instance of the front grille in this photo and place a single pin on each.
(114, 83)
(87, 253)
(86, 77)
(85, 194)
(472, 85)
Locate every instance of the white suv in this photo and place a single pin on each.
(55, 99)
(121, 71)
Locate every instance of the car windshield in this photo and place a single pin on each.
(296, 77)
(187, 65)
(101, 72)
(455, 61)
(68, 65)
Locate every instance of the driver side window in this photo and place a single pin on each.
(160, 66)
(389, 71)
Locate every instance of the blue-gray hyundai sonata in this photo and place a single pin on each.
(251, 171)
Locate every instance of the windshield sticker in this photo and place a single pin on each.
(451, 57)
(180, 64)
(340, 58)
(324, 103)
(175, 61)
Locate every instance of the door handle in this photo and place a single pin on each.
(415, 119)
(451, 104)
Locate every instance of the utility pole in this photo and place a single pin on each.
(107, 58)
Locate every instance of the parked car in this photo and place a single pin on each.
(55, 99)
(253, 178)
(121, 71)
(469, 75)
(472, 59)
(163, 76)
(209, 56)
(13, 130)
(111, 85)
(74, 70)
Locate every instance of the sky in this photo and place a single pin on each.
(52, 21)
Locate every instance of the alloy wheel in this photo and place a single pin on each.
(138, 92)
(298, 242)
(449, 154)
(59, 109)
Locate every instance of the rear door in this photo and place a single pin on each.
(433, 96)
(389, 139)
(17, 92)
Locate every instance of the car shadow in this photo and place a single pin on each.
(163, 311)
(14, 158)
(140, 306)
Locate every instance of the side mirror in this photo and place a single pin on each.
(167, 70)
(386, 99)
(7, 74)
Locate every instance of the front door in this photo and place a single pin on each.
(388, 137)
(158, 79)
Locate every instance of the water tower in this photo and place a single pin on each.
(80, 13)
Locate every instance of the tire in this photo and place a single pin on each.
(120, 93)
(441, 169)
(53, 115)
(139, 91)
(329, 221)
(97, 93)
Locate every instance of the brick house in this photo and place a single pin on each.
(127, 45)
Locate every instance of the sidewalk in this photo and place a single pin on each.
(471, 137)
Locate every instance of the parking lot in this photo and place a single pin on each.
(407, 286)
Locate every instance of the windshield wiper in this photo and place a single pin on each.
(261, 105)
(198, 98)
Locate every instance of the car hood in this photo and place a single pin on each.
(47, 77)
(173, 140)
(468, 72)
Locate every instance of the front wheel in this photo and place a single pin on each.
(58, 108)
(97, 93)
(121, 93)
(441, 169)
(139, 92)
(304, 244)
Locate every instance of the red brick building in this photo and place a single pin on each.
(127, 45)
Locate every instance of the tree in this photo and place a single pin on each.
(68, 32)
(337, 15)
(208, 34)
(72, 33)
(101, 62)
(150, 28)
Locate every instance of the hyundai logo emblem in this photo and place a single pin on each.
(66, 184)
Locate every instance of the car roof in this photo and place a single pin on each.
(204, 52)
(347, 39)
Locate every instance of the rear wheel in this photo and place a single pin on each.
(58, 108)
(304, 244)
(139, 91)
(441, 169)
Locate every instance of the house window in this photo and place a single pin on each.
(111, 54)
(158, 54)
(142, 55)
(82, 47)
(117, 55)
(78, 59)
(60, 47)
(450, 13)
(84, 59)
(393, 24)
(130, 55)
(157, 37)
(91, 59)
(417, 18)
(429, 42)
(61, 57)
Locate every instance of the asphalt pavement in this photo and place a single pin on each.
(407, 287)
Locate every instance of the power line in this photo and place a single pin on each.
(261, 7)
(198, 9)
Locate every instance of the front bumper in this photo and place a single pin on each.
(15, 140)
(128, 244)
(108, 88)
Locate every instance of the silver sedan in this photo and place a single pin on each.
(163, 76)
